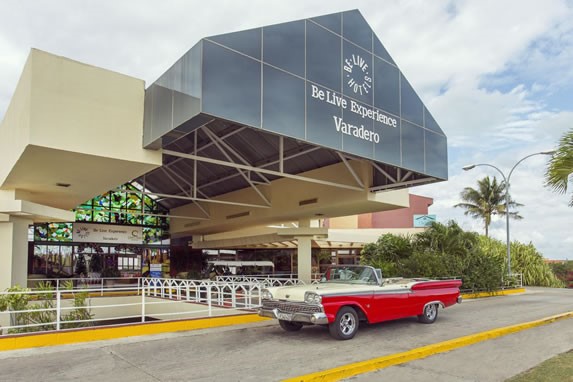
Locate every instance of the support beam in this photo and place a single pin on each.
(406, 183)
(220, 145)
(349, 167)
(221, 142)
(264, 171)
(381, 170)
(281, 154)
(167, 171)
(167, 196)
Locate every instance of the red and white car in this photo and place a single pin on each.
(348, 294)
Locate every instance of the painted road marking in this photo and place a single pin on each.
(492, 294)
(374, 364)
(24, 341)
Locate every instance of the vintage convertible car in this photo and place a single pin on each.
(348, 294)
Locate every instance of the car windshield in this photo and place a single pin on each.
(350, 275)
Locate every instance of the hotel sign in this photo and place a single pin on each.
(358, 79)
(107, 233)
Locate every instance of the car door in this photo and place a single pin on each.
(389, 304)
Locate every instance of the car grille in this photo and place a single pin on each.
(291, 306)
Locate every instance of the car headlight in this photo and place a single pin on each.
(266, 295)
(312, 298)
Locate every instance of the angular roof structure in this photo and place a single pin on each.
(250, 107)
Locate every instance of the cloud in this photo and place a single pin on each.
(497, 76)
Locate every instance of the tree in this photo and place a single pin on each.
(389, 253)
(487, 200)
(561, 166)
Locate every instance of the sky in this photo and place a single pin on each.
(496, 75)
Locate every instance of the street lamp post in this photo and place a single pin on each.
(506, 181)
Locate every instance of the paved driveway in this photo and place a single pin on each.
(264, 352)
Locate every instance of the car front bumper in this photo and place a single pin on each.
(309, 318)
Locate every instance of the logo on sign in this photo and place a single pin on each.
(358, 77)
(83, 232)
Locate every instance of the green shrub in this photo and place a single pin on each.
(446, 250)
(390, 253)
(41, 308)
(525, 259)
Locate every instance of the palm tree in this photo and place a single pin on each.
(561, 165)
(487, 200)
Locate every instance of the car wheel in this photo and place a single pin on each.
(290, 326)
(429, 315)
(345, 324)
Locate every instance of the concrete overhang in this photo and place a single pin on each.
(33, 211)
(291, 200)
(72, 131)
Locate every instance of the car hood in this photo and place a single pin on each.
(296, 293)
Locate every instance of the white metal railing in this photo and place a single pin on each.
(268, 280)
(156, 298)
(102, 284)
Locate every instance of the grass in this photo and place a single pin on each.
(559, 368)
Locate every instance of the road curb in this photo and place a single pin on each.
(72, 336)
(506, 292)
(374, 364)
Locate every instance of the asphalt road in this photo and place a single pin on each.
(264, 352)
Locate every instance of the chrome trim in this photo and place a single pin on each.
(460, 299)
(435, 302)
(309, 318)
(366, 293)
(292, 306)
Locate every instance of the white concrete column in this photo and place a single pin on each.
(14, 252)
(304, 258)
(304, 253)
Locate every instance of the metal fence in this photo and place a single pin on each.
(267, 281)
(144, 299)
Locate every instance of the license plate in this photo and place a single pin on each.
(284, 316)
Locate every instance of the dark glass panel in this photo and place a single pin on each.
(386, 86)
(247, 42)
(381, 51)
(323, 61)
(359, 137)
(162, 106)
(436, 155)
(357, 73)
(430, 122)
(322, 118)
(412, 107)
(284, 46)
(332, 22)
(412, 147)
(283, 103)
(231, 85)
(388, 149)
(356, 29)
